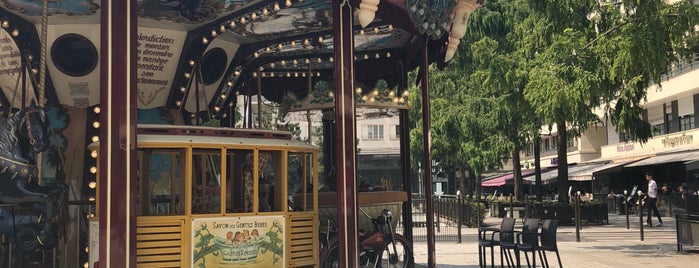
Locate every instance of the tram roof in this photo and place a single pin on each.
(232, 40)
(183, 136)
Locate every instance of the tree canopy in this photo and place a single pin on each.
(528, 63)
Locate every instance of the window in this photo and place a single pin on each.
(239, 183)
(623, 137)
(160, 174)
(300, 181)
(687, 122)
(570, 142)
(375, 132)
(547, 145)
(268, 195)
(554, 143)
(658, 129)
(206, 181)
(397, 133)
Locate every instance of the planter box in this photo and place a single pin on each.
(565, 213)
(555, 211)
(595, 212)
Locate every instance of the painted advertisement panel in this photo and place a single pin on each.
(251, 241)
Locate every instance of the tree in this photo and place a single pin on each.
(589, 54)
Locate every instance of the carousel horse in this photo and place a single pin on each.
(27, 209)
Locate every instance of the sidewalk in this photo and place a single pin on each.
(600, 246)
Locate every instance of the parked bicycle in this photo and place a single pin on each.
(376, 249)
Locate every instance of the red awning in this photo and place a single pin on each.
(500, 181)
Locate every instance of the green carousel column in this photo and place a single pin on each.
(345, 133)
(117, 174)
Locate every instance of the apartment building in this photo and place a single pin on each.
(604, 160)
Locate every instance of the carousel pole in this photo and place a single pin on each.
(259, 102)
(308, 112)
(427, 144)
(345, 133)
(117, 159)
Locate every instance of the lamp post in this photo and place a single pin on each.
(640, 213)
(626, 208)
(577, 216)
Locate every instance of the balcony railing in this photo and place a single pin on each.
(682, 68)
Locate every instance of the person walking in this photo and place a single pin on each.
(652, 197)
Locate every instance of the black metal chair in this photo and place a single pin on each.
(530, 226)
(487, 239)
(528, 241)
(548, 240)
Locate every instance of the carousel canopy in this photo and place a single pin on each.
(201, 53)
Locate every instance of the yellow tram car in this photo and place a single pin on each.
(212, 197)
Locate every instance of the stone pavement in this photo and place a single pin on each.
(600, 246)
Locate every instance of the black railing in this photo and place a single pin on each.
(682, 68)
(451, 213)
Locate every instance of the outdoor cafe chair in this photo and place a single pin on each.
(548, 240)
(506, 247)
(487, 239)
(528, 241)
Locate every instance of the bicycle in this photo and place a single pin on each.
(376, 249)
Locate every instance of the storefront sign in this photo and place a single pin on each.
(684, 139)
(625, 147)
(253, 241)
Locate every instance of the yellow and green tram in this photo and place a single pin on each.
(212, 197)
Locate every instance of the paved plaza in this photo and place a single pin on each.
(600, 246)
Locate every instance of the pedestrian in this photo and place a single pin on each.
(652, 197)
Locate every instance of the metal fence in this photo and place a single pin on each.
(450, 214)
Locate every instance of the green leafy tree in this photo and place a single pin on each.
(589, 54)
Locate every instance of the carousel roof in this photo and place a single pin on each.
(220, 47)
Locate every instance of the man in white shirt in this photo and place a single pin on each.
(652, 198)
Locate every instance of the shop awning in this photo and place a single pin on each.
(573, 170)
(500, 181)
(588, 174)
(686, 156)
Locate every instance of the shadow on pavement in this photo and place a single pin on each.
(638, 250)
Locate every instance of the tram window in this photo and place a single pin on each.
(269, 194)
(159, 182)
(239, 184)
(206, 181)
(300, 181)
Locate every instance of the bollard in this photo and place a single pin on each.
(640, 213)
(438, 210)
(626, 208)
(461, 217)
(577, 217)
(512, 212)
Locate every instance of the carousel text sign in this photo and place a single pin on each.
(158, 54)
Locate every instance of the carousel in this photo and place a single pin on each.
(137, 133)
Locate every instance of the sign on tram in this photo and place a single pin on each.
(250, 241)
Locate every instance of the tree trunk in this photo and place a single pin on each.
(562, 162)
(517, 174)
(537, 167)
(462, 179)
